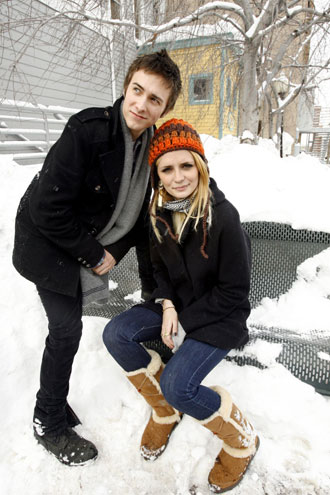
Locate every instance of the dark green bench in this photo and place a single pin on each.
(277, 250)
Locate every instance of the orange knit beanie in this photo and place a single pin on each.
(174, 135)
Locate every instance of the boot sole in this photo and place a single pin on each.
(218, 489)
(70, 464)
(152, 455)
(73, 464)
(63, 460)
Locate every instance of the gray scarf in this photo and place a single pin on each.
(131, 194)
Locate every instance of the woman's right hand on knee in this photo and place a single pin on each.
(169, 325)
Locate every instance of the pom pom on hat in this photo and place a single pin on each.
(174, 135)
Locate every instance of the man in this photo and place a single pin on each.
(80, 215)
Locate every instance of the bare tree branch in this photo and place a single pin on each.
(272, 36)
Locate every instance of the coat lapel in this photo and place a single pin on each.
(112, 162)
(172, 252)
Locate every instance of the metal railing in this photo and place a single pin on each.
(315, 141)
(28, 131)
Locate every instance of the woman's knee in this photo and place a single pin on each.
(174, 389)
(120, 330)
(113, 332)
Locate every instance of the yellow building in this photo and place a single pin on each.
(209, 99)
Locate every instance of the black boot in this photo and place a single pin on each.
(68, 447)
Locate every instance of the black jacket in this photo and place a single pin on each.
(71, 200)
(210, 295)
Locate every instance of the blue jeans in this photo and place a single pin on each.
(181, 379)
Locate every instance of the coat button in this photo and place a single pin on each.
(106, 113)
(116, 179)
(97, 188)
(79, 259)
(88, 266)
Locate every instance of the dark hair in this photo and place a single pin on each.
(159, 63)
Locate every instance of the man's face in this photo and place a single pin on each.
(145, 100)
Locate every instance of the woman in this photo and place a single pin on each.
(201, 260)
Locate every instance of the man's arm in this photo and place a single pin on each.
(52, 204)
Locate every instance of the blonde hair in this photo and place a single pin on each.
(200, 205)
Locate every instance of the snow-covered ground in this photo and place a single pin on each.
(291, 418)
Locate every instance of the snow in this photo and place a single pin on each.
(247, 136)
(294, 190)
(288, 142)
(290, 417)
(50, 108)
(308, 299)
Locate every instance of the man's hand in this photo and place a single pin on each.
(107, 264)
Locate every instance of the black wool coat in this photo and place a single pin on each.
(71, 200)
(210, 295)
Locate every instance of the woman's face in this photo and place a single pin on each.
(178, 173)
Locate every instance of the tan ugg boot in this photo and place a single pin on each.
(164, 417)
(240, 444)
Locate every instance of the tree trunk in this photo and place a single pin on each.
(249, 108)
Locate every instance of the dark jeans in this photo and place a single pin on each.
(181, 379)
(64, 315)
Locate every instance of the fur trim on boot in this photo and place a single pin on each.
(240, 444)
(164, 417)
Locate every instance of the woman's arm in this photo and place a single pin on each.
(165, 292)
(232, 287)
(164, 288)
(169, 323)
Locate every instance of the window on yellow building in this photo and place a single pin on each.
(200, 89)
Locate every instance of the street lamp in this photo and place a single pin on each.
(281, 86)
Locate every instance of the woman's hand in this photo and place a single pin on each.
(169, 324)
